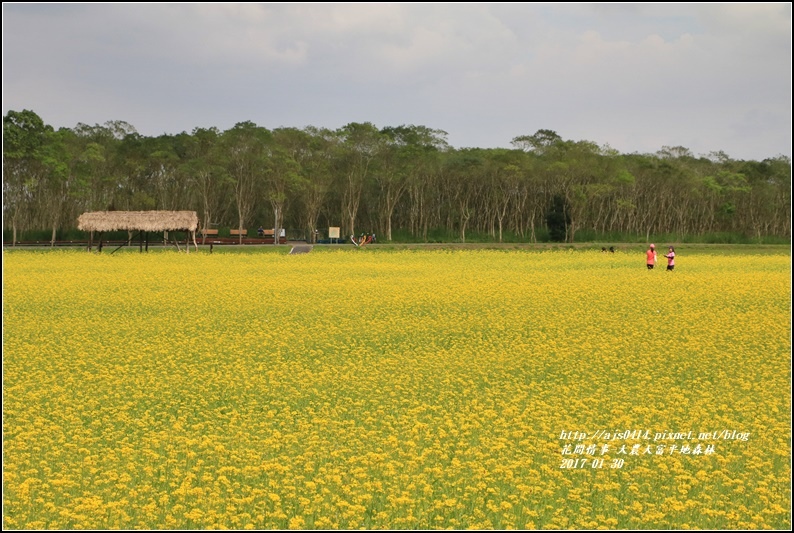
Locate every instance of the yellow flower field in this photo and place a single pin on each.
(406, 389)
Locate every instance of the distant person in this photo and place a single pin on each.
(670, 259)
(650, 257)
(603, 250)
(612, 249)
(260, 231)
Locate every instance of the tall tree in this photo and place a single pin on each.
(63, 156)
(135, 189)
(539, 143)
(502, 182)
(316, 159)
(105, 178)
(464, 179)
(405, 160)
(285, 177)
(24, 137)
(207, 169)
(165, 165)
(246, 146)
(423, 156)
(361, 143)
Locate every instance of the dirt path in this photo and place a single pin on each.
(300, 249)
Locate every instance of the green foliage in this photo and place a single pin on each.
(557, 220)
(400, 180)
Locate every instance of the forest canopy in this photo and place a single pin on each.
(403, 180)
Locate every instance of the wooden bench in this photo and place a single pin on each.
(209, 232)
(268, 233)
(238, 232)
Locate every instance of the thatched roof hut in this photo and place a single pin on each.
(138, 221)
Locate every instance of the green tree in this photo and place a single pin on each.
(246, 147)
(358, 153)
(316, 162)
(206, 166)
(284, 176)
(64, 179)
(403, 162)
(463, 178)
(104, 177)
(557, 219)
(24, 138)
(541, 142)
(422, 154)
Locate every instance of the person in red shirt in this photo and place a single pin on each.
(670, 259)
(650, 257)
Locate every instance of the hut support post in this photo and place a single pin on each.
(195, 244)
(100, 242)
(140, 241)
(90, 240)
(147, 241)
(176, 242)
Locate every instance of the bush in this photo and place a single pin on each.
(557, 220)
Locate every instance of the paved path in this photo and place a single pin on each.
(300, 249)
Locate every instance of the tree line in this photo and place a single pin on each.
(403, 179)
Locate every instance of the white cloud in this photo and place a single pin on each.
(630, 75)
(770, 19)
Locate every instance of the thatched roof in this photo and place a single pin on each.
(138, 221)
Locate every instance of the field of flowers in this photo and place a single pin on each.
(401, 389)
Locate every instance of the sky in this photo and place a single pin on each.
(634, 77)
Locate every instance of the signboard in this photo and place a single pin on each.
(333, 233)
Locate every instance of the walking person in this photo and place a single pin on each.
(650, 257)
(670, 259)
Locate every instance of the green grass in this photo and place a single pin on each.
(682, 249)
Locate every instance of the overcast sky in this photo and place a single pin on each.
(635, 77)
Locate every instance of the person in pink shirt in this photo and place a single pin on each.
(650, 257)
(670, 259)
